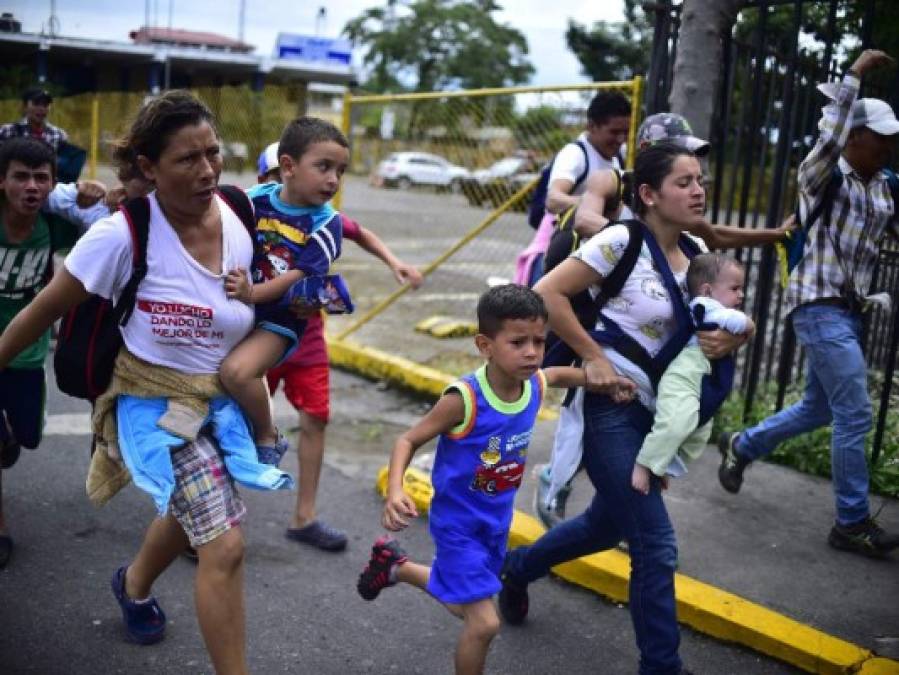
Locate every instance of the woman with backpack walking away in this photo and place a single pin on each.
(641, 327)
(181, 327)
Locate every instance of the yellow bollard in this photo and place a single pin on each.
(95, 138)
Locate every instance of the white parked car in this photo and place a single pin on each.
(405, 169)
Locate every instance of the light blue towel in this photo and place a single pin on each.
(146, 448)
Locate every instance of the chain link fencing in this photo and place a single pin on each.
(247, 120)
(445, 178)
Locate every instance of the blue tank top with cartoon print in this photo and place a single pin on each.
(479, 465)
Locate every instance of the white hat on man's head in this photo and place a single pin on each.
(875, 114)
(268, 159)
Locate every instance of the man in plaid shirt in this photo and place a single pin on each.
(826, 297)
(36, 103)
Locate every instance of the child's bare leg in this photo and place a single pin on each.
(481, 625)
(414, 574)
(241, 373)
(311, 450)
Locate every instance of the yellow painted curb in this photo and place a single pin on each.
(446, 327)
(380, 365)
(374, 363)
(879, 666)
(703, 607)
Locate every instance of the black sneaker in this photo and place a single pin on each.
(866, 537)
(386, 554)
(513, 598)
(730, 473)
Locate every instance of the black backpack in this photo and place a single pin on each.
(565, 240)
(89, 336)
(537, 206)
(587, 308)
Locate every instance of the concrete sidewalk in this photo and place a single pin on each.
(755, 568)
(768, 547)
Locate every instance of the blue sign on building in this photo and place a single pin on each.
(337, 51)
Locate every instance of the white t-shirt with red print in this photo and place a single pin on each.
(182, 318)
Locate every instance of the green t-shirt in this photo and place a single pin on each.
(22, 270)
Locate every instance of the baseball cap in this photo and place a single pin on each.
(37, 95)
(875, 114)
(671, 127)
(268, 159)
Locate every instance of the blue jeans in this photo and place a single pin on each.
(613, 434)
(835, 391)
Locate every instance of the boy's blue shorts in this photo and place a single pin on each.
(282, 322)
(466, 565)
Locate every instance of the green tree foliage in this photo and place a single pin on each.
(612, 51)
(540, 128)
(847, 39)
(429, 45)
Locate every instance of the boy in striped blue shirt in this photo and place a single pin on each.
(298, 236)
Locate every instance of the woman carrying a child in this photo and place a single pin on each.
(647, 316)
(182, 327)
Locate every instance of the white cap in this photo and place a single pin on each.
(268, 159)
(875, 114)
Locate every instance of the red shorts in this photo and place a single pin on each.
(306, 387)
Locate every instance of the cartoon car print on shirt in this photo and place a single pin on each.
(491, 480)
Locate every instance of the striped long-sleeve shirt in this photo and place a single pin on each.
(840, 252)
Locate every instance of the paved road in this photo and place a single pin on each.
(57, 615)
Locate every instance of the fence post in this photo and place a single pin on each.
(95, 137)
(346, 120)
(636, 101)
(767, 266)
(886, 389)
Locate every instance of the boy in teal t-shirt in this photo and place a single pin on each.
(28, 239)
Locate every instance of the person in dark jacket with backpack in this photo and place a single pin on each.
(640, 329)
(182, 323)
(28, 239)
(826, 298)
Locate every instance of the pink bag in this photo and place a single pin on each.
(535, 250)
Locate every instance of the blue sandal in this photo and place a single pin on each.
(318, 534)
(144, 621)
(272, 454)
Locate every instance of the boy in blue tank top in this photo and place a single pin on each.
(484, 423)
(298, 236)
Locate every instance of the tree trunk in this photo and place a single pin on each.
(697, 68)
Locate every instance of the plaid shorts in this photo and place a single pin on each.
(205, 500)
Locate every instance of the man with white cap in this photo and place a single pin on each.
(825, 295)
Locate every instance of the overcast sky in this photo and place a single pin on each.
(542, 21)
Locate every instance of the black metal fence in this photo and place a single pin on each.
(764, 124)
